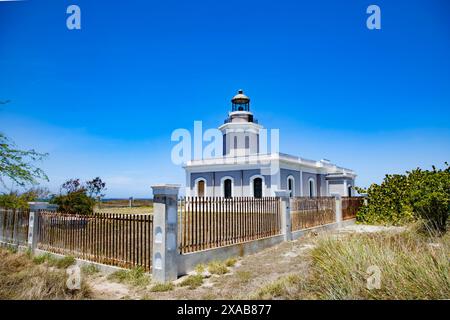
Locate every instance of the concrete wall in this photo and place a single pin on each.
(188, 261)
(340, 186)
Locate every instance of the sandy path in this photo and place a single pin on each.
(247, 276)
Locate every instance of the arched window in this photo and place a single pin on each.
(235, 142)
(257, 188)
(201, 188)
(247, 142)
(312, 191)
(349, 190)
(291, 186)
(227, 188)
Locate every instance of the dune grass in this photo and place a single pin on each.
(412, 266)
(21, 278)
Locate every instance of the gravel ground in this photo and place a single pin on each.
(248, 275)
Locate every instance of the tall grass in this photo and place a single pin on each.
(21, 278)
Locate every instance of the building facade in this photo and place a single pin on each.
(244, 170)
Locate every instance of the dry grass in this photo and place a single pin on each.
(21, 278)
(230, 262)
(52, 261)
(192, 281)
(217, 267)
(162, 287)
(135, 277)
(412, 267)
(125, 210)
(244, 276)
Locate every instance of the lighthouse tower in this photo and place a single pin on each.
(240, 130)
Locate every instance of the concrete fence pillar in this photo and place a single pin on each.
(165, 232)
(286, 225)
(338, 200)
(33, 231)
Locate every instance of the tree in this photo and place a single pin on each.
(72, 185)
(95, 187)
(16, 200)
(19, 165)
(77, 202)
(77, 197)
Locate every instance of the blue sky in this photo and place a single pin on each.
(104, 100)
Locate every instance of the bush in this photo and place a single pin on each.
(77, 202)
(14, 200)
(430, 197)
(400, 199)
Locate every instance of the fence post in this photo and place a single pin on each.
(286, 224)
(33, 226)
(338, 206)
(33, 221)
(165, 232)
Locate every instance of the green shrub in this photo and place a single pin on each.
(14, 200)
(77, 202)
(416, 195)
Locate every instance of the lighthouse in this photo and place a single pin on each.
(240, 129)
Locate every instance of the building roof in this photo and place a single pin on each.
(240, 97)
(228, 162)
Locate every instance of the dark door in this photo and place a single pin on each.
(227, 188)
(257, 188)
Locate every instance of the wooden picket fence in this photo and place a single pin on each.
(14, 226)
(212, 222)
(350, 207)
(123, 240)
(312, 212)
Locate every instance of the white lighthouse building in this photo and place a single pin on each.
(244, 170)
